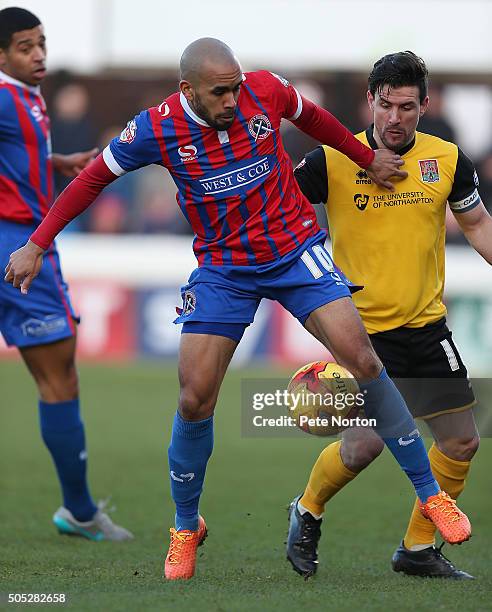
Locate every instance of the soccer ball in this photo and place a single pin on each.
(323, 397)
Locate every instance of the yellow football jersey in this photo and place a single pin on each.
(393, 243)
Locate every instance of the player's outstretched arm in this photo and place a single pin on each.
(476, 225)
(78, 196)
(24, 265)
(380, 165)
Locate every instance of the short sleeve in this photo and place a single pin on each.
(464, 195)
(312, 176)
(134, 148)
(285, 96)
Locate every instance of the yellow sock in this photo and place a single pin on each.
(328, 476)
(450, 475)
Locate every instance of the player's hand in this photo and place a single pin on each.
(24, 265)
(386, 164)
(73, 164)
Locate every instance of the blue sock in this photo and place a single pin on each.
(189, 451)
(63, 433)
(397, 428)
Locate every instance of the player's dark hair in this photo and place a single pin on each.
(12, 20)
(399, 70)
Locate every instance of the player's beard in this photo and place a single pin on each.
(392, 145)
(219, 123)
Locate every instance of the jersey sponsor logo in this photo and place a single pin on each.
(429, 170)
(475, 179)
(362, 178)
(188, 153)
(37, 328)
(237, 178)
(260, 127)
(128, 134)
(300, 164)
(361, 200)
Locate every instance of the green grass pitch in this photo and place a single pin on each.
(128, 411)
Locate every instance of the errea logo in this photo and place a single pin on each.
(362, 178)
(188, 153)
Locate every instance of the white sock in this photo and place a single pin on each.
(302, 510)
(417, 547)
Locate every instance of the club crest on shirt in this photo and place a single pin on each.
(128, 134)
(189, 302)
(37, 113)
(260, 127)
(361, 200)
(429, 170)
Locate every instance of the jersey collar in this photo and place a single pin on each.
(35, 89)
(374, 145)
(190, 112)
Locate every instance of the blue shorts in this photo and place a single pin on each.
(45, 314)
(302, 281)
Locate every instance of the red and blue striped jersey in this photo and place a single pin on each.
(236, 187)
(26, 170)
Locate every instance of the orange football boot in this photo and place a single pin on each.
(181, 556)
(452, 523)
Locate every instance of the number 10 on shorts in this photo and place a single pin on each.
(323, 258)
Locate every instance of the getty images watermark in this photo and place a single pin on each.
(269, 409)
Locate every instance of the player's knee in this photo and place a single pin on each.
(194, 407)
(58, 386)
(358, 454)
(460, 449)
(366, 364)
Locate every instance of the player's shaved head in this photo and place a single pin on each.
(204, 55)
(211, 79)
